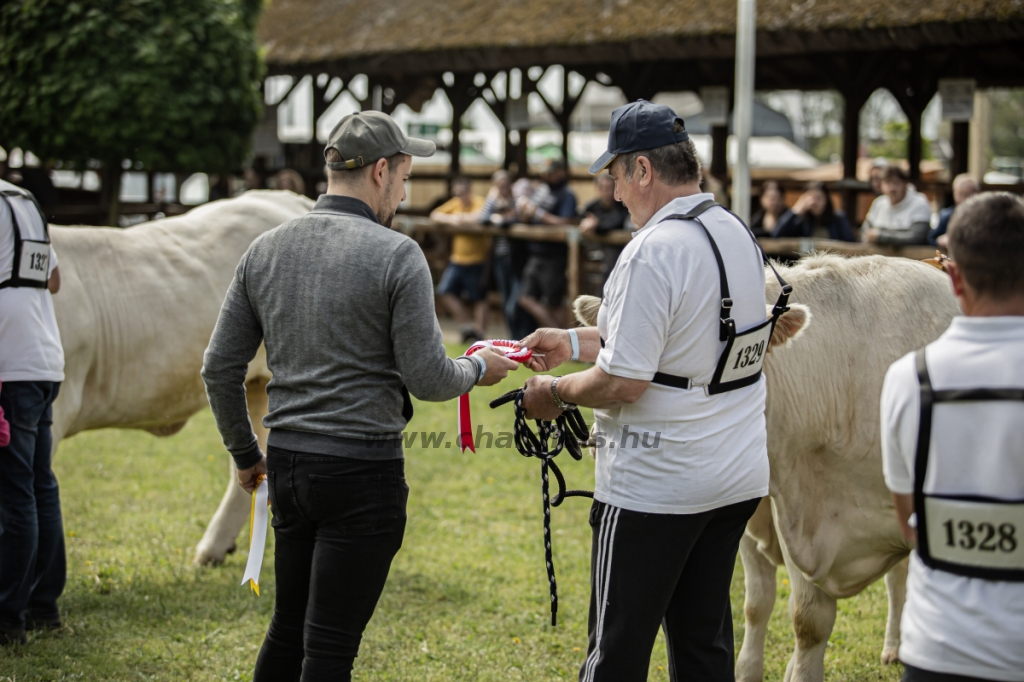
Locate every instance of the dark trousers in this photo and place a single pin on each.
(338, 523)
(912, 674)
(662, 570)
(33, 568)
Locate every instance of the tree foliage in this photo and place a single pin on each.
(1007, 123)
(170, 83)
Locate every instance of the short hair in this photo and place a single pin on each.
(675, 164)
(332, 155)
(986, 240)
(461, 180)
(965, 179)
(895, 173)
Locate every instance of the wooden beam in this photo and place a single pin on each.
(719, 160)
(961, 147)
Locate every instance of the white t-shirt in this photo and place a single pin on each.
(30, 348)
(913, 209)
(691, 452)
(951, 623)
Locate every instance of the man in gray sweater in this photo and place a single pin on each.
(345, 308)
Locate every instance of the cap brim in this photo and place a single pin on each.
(417, 147)
(602, 162)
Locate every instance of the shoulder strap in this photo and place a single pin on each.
(924, 439)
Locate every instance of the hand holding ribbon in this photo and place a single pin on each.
(512, 350)
(258, 521)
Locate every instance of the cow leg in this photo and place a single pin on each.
(813, 612)
(758, 602)
(896, 588)
(233, 512)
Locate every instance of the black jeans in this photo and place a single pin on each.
(33, 568)
(338, 523)
(667, 570)
(912, 674)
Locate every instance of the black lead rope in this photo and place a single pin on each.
(570, 433)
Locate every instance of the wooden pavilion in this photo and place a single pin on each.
(409, 48)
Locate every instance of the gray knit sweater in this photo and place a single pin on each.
(345, 307)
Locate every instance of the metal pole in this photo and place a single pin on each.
(746, 33)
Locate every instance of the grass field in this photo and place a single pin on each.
(466, 598)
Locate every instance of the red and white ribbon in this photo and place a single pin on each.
(513, 351)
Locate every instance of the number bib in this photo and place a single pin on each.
(741, 362)
(968, 535)
(34, 261)
(975, 533)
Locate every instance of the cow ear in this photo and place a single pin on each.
(791, 324)
(585, 308)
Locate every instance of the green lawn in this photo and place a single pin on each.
(466, 599)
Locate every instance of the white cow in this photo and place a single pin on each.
(830, 518)
(136, 309)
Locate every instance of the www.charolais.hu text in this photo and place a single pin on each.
(505, 439)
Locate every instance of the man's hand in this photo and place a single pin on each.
(871, 235)
(538, 403)
(554, 344)
(247, 478)
(943, 241)
(498, 366)
(588, 225)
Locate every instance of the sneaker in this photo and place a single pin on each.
(32, 623)
(12, 636)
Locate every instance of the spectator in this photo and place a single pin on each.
(603, 215)
(500, 211)
(553, 203)
(464, 275)
(289, 179)
(815, 216)
(875, 175)
(964, 187)
(773, 210)
(901, 215)
(33, 566)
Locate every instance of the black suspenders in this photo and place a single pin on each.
(727, 325)
(15, 279)
(970, 535)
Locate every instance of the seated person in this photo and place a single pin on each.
(464, 275)
(605, 213)
(773, 210)
(964, 187)
(901, 215)
(814, 216)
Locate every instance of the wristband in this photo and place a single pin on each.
(479, 359)
(574, 339)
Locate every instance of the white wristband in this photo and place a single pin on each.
(479, 359)
(574, 339)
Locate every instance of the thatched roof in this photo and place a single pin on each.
(431, 35)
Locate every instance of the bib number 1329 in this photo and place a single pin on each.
(749, 355)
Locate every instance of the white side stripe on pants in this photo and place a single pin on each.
(602, 577)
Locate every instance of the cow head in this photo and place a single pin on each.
(791, 324)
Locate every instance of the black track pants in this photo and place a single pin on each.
(667, 570)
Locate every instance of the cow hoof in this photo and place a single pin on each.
(209, 557)
(890, 655)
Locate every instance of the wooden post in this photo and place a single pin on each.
(914, 144)
(719, 160)
(572, 273)
(853, 103)
(961, 148)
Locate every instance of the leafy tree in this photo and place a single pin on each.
(1007, 124)
(893, 143)
(172, 84)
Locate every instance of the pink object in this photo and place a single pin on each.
(513, 351)
(5, 428)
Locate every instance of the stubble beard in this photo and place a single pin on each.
(386, 214)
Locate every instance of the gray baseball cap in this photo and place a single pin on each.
(365, 137)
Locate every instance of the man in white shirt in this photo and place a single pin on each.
(958, 625)
(901, 215)
(32, 560)
(681, 466)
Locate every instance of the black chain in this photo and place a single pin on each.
(570, 433)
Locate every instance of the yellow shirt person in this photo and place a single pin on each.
(467, 249)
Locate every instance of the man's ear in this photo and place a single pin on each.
(380, 173)
(644, 171)
(956, 277)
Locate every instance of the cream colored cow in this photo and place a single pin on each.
(136, 309)
(830, 518)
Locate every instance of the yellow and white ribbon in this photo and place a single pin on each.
(258, 521)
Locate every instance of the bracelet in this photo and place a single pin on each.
(479, 359)
(574, 339)
(559, 403)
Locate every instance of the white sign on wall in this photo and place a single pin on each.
(957, 98)
(517, 114)
(716, 105)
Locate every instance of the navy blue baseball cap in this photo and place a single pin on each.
(638, 126)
